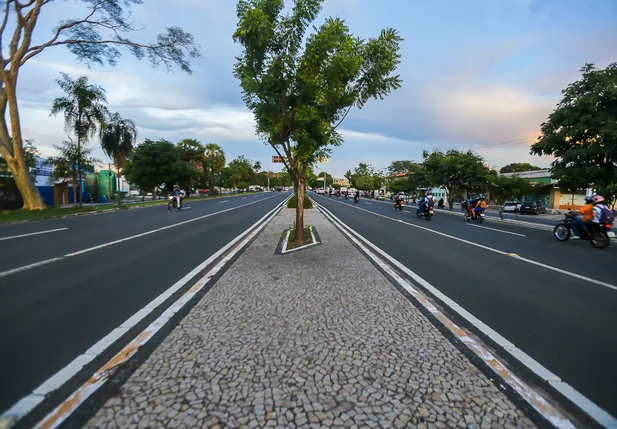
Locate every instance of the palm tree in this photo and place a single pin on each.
(117, 137)
(84, 112)
(214, 163)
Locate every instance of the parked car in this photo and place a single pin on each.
(511, 206)
(532, 208)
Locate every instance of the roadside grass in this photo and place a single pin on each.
(9, 216)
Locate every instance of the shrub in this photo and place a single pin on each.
(293, 202)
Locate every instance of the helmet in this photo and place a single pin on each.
(401, 193)
(589, 199)
(597, 199)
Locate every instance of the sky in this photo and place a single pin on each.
(475, 73)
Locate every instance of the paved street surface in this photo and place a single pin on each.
(568, 324)
(52, 313)
(289, 341)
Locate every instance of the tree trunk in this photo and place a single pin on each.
(25, 183)
(79, 170)
(109, 181)
(299, 183)
(118, 195)
(74, 190)
(16, 161)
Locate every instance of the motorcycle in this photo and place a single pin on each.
(173, 203)
(479, 217)
(398, 205)
(599, 235)
(428, 213)
(356, 199)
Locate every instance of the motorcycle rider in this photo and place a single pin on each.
(178, 196)
(356, 197)
(399, 198)
(601, 213)
(479, 206)
(472, 205)
(426, 201)
(582, 222)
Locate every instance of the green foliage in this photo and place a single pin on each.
(293, 202)
(518, 167)
(414, 179)
(240, 173)
(365, 178)
(31, 153)
(191, 150)
(118, 136)
(301, 88)
(154, 163)
(455, 171)
(213, 163)
(504, 188)
(581, 133)
(403, 166)
(68, 158)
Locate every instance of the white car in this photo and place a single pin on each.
(512, 206)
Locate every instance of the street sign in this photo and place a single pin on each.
(277, 159)
(323, 160)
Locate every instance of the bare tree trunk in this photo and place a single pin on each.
(79, 169)
(299, 182)
(15, 157)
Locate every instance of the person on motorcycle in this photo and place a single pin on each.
(582, 222)
(357, 196)
(601, 213)
(441, 203)
(426, 201)
(471, 208)
(178, 196)
(399, 198)
(480, 206)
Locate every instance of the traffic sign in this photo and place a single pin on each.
(323, 160)
(277, 159)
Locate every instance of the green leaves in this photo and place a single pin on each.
(154, 163)
(455, 170)
(582, 133)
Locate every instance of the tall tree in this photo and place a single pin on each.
(403, 166)
(214, 163)
(155, 163)
(239, 173)
(118, 136)
(581, 133)
(96, 37)
(455, 171)
(70, 156)
(299, 88)
(518, 167)
(365, 178)
(84, 111)
(31, 153)
(192, 153)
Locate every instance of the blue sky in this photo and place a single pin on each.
(474, 72)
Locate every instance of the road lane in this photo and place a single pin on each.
(566, 324)
(93, 230)
(55, 312)
(578, 257)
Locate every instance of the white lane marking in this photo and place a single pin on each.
(221, 202)
(498, 230)
(530, 395)
(243, 198)
(490, 249)
(370, 204)
(33, 233)
(58, 415)
(111, 243)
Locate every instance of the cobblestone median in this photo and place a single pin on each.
(316, 338)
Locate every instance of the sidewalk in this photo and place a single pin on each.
(315, 338)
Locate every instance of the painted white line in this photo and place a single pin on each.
(243, 198)
(59, 414)
(498, 230)
(221, 202)
(499, 252)
(370, 204)
(33, 233)
(283, 250)
(111, 243)
(529, 394)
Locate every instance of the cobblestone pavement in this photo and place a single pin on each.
(316, 338)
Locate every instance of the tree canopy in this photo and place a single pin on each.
(156, 163)
(365, 178)
(518, 167)
(455, 171)
(100, 35)
(581, 133)
(301, 88)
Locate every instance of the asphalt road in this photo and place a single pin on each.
(54, 312)
(567, 324)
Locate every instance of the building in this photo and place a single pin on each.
(548, 191)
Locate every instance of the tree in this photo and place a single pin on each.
(154, 163)
(518, 167)
(239, 173)
(31, 153)
(214, 163)
(403, 166)
(455, 171)
(300, 95)
(84, 111)
(118, 137)
(191, 151)
(365, 178)
(68, 163)
(97, 37)
(581, 133)
(503, 188)
(317, 181)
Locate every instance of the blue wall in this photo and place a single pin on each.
(47, 192)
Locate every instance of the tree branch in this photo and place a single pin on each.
(342, 119)
(5, 20)
(35, 50)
